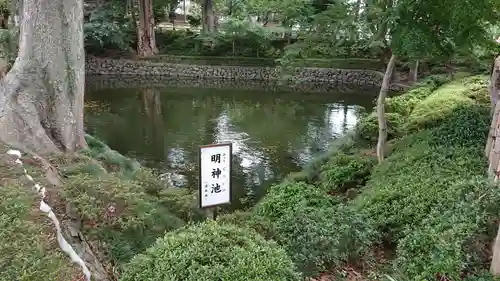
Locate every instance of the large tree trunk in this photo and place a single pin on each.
(42, 95)
(492, 150)
(494, 90)
(146, 43)
(382, 122)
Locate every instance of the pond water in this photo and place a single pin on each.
(273, 132)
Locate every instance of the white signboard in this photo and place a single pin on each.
(215, 175)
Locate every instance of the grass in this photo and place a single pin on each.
(122, 209)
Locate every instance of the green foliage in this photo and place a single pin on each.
(405, 103)
(313, 227)
(344, 171)
(108, 28)
(112, 160)
(367, 127)
(28, 251)
(249, 220)
(421, 169)
(437, 106)
(447, 240)
(212, 251)
(284, 198)
(117, 212)
(318, 238)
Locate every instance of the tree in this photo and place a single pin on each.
(208, 16)
(382, 122)
(146, 43)
(438, 28)
(42, 95)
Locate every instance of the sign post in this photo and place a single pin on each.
(215, 176)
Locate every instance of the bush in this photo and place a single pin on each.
(367, 128)
(404, 187)
(437, 106)
(315, 230)
(446, 242)
(466, 126)
(318, 238)
(212, 251)
(249, 220)
(284, 198)
(344, 171)
(405, 103)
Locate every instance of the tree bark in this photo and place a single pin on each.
(414, 72)
(494, 90)
(42, 95)
(382, 122)
(146, 43)
(495, 261)
(208, 16)
(492, 150)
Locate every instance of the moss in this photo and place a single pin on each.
(29, 250)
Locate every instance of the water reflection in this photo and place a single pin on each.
(272, 133)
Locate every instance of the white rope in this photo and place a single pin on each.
(44, 207)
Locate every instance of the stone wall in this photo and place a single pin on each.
(99, 82)
(103, 66)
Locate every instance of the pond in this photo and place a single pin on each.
(273, 132)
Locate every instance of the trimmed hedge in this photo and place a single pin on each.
(212, 251)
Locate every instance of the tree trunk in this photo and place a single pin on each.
(494, 90)
(208, 16)
(414, 72)
(42, 95)
(382, 123)
(146, 43)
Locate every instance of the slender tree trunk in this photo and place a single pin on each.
(382, 122)
(414, 72)
(146, 43)
(42, 95)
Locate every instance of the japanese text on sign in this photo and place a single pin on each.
(215, 175)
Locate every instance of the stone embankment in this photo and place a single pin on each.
(105, 66)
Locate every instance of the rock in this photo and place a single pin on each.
(100, 66)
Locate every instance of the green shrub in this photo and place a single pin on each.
(212, 251)
(403, 188)
(344, 171)
(367, 128)
(318, 238)
(446, 241)
(315, 230)
(249, 220)
(437, 106)
(466, 126)
(405, 103)
(284, 198)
